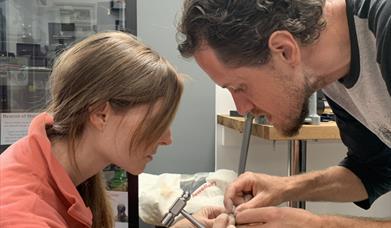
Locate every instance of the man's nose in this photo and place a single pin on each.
(243, 105)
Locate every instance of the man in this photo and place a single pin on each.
(271, 55)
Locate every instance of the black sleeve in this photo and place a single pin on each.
(367, 157)
(379, 19)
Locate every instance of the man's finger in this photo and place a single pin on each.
(229, 206)
(256, 215)
(213, 212)
(253, 203)
(254, 225)
(235, 192)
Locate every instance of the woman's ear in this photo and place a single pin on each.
(99, 115)
(282, 44)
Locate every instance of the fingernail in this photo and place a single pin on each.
(231, 226)
(233, 210)
(231, 220)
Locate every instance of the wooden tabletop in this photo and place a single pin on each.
(326, 130)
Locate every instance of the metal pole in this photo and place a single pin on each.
(245, 142)
(191, 219)
(297, 159)
(313, 117)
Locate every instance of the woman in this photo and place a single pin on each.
(112, 101)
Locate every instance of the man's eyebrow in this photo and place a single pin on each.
(226, 86)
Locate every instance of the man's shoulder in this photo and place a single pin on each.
(356, 134)
(367, 8)
(370, 26)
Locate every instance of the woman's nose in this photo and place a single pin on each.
(166, 138)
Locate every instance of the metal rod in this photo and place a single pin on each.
(191, 219)
(297, 159)
(245, 142)
(313, 117)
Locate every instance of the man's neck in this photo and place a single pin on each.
(328, 58)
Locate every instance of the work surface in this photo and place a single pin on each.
(326, 130)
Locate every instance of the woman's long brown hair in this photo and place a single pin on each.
(110, 67)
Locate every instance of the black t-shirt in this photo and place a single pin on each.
(362, 99)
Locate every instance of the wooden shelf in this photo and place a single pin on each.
(326, 130)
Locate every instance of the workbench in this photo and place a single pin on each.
(297, 144)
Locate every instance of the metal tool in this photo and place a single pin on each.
(245, 142)
(178, 208)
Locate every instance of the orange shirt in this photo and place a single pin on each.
(35, 189)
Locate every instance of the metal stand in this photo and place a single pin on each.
(245, 143)
(297, 164)
(312, 117)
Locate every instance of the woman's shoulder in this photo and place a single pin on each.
(24, 204)
(19, 215)
(21, 178)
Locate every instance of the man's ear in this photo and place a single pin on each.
(99, 115)
(282, 44)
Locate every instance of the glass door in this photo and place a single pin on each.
(32, 34)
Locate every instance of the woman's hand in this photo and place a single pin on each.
(224, 221)
(205, 216)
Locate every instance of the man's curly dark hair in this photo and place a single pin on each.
(239, 30)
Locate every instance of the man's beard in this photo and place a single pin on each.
(295, 124)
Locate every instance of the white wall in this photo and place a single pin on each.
(193, 127)
(272, 158)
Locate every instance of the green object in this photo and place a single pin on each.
(120, 181)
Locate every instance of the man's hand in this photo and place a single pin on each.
(253, 190)
(276, 217)
(335, 184)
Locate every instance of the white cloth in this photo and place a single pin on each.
(157, 193)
